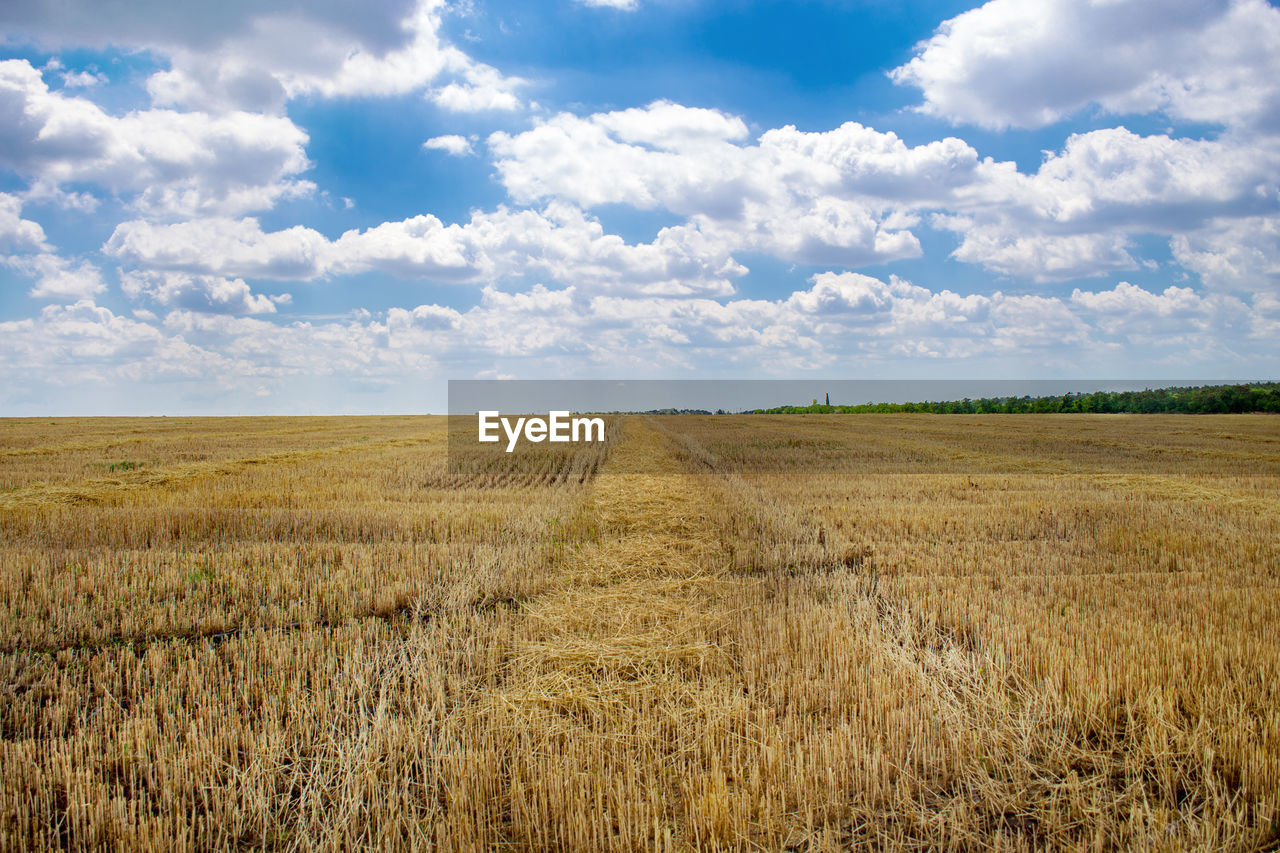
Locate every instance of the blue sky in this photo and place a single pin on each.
(250, 207)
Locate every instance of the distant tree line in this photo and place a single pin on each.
(1200, 399)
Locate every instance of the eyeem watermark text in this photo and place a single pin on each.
(556, 427)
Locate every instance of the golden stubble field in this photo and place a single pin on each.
(757, 632)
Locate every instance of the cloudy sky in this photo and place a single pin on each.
(275, 206)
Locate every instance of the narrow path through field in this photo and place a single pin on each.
(612, 688)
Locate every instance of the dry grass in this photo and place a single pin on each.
(736, 633)
(1094, 600)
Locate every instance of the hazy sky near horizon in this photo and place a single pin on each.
(288, 207)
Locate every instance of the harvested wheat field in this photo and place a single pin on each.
(724, 632)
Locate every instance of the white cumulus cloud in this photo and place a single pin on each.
(833, 197)
(559, 241)
(1028, 63)
(18, 234)
(58, 277)
(199, 292)
(1234, 254)
(254, 56)
(170, 163)
(453, 144)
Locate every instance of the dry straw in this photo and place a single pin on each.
(713, 633)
